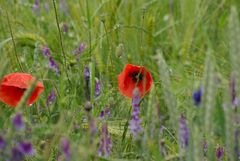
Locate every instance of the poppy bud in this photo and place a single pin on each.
(119, 50)
(42, 145)
(88, 106)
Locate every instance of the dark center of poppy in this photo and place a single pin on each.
(136, 76)
(22, 89)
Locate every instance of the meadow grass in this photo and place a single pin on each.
(186, 45)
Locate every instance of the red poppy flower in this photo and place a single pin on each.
(134, 76)
(13, 85)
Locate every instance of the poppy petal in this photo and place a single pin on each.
(13, 87)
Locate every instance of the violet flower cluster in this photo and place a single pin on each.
(97, 90)
(79, 50)
(15, 148)
(135, 123)
(219, 153)
(65, 147)
(86, 74)
(105, 145)
(233, 91)
(183, 133)
(65, 27)
(51, 98)
(63, 7)
(197, 96)
(51, 62)
(36, 6)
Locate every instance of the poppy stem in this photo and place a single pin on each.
(13, 41)
(61, 42)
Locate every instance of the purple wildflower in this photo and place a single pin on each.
(104, 113)
(80, 49)
(36, 6)
(86, 73)
(101, 114)
(17, 155)
(135, 123)
(53, 65)
(233, 91)
(2, 143)
(51, 62)
(18, 122)
(219, 153)
(205, 146)
(65, 146)
(63, 7)
(197, 96)
(26, 148)
(105, 142)
(107, 111)
(65, 27)
(46, 51)
(97, 88)
(51, 97)
(46, 6)
(183, 132)
(87, 79)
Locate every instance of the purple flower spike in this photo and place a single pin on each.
(135, 123)
(51, 97)
(46, 6)
(18, 122)
(183, 132)
(197, 97)
(233, 91)
(36, 6)
(46, 51)
(105, 146)
(86, 73)
(17, 155)
(26, 148)
(51, 62)
(53, 65)
(65, 28)
(105, 113)
(65, 145)
(97, 88)
(2, 143)
(101, 114)
(205, 147)
(63, 7)
(80, 49)
(219, 153)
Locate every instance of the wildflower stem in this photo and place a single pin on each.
(89, 29)
(141, 33)
(13, 41)
(61, 41)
